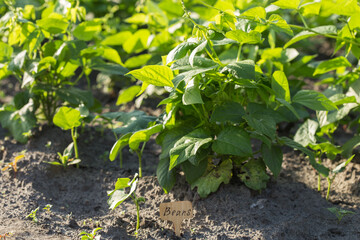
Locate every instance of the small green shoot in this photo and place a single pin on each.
(65, 158)
(33, 216)
(118, 195)
(48, 207)
(88, 236)
(48, 144)
(340, 213)
(69, 118)
(340, 168)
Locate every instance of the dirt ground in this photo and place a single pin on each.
(290, 208)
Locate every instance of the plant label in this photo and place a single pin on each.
(176, 212)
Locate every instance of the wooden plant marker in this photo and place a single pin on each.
(176, 212)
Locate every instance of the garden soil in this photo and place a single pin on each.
(290, 207)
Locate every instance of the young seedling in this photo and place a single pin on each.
(118, 195)
(65, 158)
(48, 207)
(69, 118)
(340, 213)
(88, 236)
(13, 164)
(134, 140)
(340, 168)
(33, 216)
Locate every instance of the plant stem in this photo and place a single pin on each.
(319, 183)
(137, 216)
(139, 154)
(325, 35)
(239, 53)
(328, 189)
(73, 135)
(303, 20)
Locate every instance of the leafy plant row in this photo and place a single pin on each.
(233, 72)
(228, 88)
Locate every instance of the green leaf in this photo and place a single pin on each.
(122, 183)
(325, 117)
(67, 118)
(28, 79)
(143, 136)
(286, 4)
(117, 196)
(280, 85)
(180, 51)
(108, 68)
(198, 63)
(194, 172)
(117, 39)
(314, 100)
(350, 145)
(306, 133)
(233, 141)
(253, 174)
(165, 177)
(199, 48)
(119, 145)
(279, 24)
(311, 8)
(331, 64)
(132, 121)
(318, 167)
(137, 18)
(228, 111)
(255, 12)
(273, 158)
(5, 52)
(19, 121)
(112, 55)
(192, 93)
(315, 31)
(76, 96)
(263, 124)
(138, 61)
(215, 175)
(341, 167)
(326, 147)
(137, 42)
(46, 63)
(339, 7)
(242, 37)
(241, 70)
(87, 30)
(127, 95)
(55, 23)
(188, 146)
(155, 75)
(289, 106)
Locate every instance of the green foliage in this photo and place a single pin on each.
(93, 235)
(68, 119)
(119, 195)
(340, 213)
(230, 84)
(47, 50)
(33, 216)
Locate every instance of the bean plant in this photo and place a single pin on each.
(228, 87)
(119, 195)
(46, 48)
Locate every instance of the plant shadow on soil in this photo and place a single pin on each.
(289, 208)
